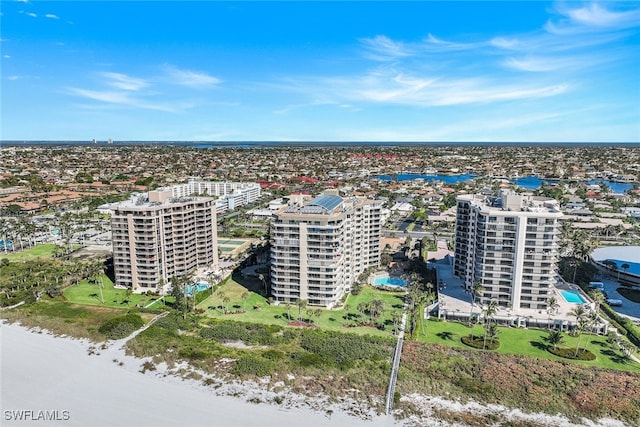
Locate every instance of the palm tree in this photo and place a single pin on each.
(395, 317)
(225, 301)
(579, 313)
(592, 321)
(301, 303)
(476, 292)
(489, 311)
(626, 347)
(362, 308)
(552, 306)
(598, 298)
(426, 298)
(376, 307)
(245, 297)
(288, 307)
(555, 338)
(493, 332)
(264, 283)
(625, 267)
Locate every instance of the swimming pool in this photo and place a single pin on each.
(572, 297)
(198, 288)
(388, 281)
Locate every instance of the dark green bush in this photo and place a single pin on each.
(479, 343)
(253, 366)
(346, 349)
(246, 332)
(121, 326)
(307, 360)
(273, 355)
(193, 353)
(570, 353)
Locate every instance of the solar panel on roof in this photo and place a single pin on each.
(326, 201)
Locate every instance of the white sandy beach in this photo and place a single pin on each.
(40, 372)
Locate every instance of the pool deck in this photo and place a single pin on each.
(456, 301)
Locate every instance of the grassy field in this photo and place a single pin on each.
(256, 309)
(88, 293)
(59, 317)
(44, 250)
(530, 342)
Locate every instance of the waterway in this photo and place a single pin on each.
(527, 183)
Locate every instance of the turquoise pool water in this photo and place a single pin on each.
(198, 288)
(572, 297)
(388, 281)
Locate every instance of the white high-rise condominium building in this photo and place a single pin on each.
(156, 236)
(319, 247)
(509, 245)
(230, 194)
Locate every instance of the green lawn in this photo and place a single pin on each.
(88, 293)
(256, 309)
(530, 342)
(44, 250)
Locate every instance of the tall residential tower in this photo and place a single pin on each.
(509, 245)
(156, 236)
(319, 247)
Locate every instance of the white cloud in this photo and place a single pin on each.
(127, 100)
(6, 56)
(124, 82)
(433, 43)
(382, 48)
(534, 63)
(31, 14)
(391, 87)
(504, 43)
(51, 16)
(592, 17)
(597, 16)
(105, 96)
(190, 78)
(22, 1)
(13, 77)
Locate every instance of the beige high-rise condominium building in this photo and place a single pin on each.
(156, 236)
(509, 245)
(319, 247)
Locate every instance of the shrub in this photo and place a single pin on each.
(570, 353)
(479, 343)
(273, 355)
(121, 326)
(252, 365)
(247, 332)
(307, 360)
(193, 353)
(344, 348)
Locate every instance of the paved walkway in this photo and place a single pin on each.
(396, 363)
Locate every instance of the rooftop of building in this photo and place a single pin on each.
(513, 202)
(156, 198)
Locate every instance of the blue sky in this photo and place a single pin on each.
(320, 71)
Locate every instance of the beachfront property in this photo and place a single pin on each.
(320, 246)
(157, 235)
(509, 245)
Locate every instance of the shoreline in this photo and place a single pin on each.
(93, 383)
(103, 386)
